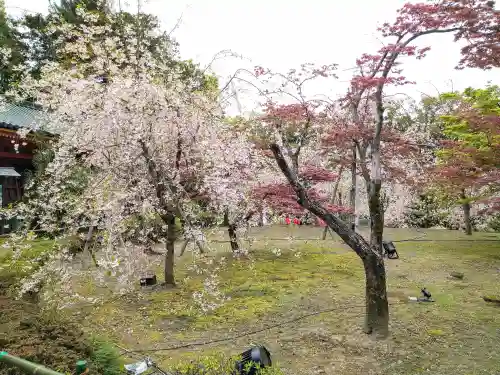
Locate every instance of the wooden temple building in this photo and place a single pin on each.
(16, 153)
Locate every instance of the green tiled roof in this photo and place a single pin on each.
(8, 172)
(14, 116)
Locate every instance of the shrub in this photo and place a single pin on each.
(105, 358)
(424, 212)
(494, 223)
(217, 365)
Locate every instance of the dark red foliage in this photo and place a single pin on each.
(473, 21)
(468, 167)
(290, 114)
(282, 199)
(398, 152)
(314, 174)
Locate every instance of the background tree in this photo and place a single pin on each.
(424, 211)
(469, 160)
(44, 37)
(41, 36)
(117, 130)
(15, 53)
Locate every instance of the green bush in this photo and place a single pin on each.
(217, 365)
(105, 358)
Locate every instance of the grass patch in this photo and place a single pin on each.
(31, 254)
(457, 334)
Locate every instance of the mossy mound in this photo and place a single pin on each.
(57, 344)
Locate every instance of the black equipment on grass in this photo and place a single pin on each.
(390, 250)
(253, 359)
(148, 279)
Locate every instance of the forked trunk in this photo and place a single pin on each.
(467, 220)
(170, 250)
(86, 247)
(233, 239)
(198, 243)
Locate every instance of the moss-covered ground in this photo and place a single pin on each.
(457, 334)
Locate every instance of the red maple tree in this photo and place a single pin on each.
(473, 21)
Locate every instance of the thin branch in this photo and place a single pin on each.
(178, 23)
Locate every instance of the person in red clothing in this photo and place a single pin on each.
(296, 221)
(287, 220)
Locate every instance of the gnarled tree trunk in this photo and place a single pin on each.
(168, 216)
(377, 307)
(225, 222)
(233, 226)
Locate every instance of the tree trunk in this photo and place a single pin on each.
(225, 222)
(233, 240)
(352, 196)
(170, 247)
(186, 241)
(467, 220)
(86, 247)
(376, 217)
(183, 247)
(377, 306)
(264, 215)
(325, 232)
(260, 221)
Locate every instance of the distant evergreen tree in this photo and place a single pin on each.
(424, 212)
(11, 39)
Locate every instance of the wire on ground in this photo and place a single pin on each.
(243, 334)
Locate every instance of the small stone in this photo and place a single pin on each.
(457, 275)
(493, 299)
